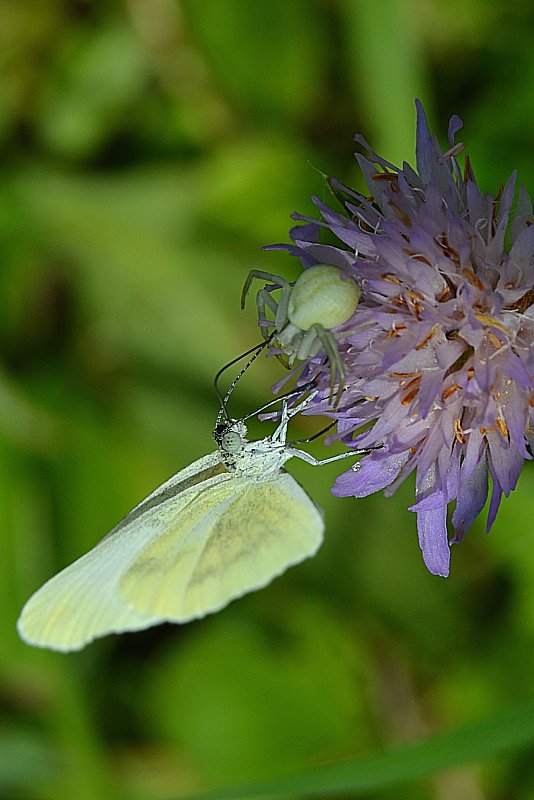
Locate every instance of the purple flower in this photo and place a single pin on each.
(439, 356)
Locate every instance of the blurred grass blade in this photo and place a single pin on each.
(24, 758)
(508, 730)
(384, 63)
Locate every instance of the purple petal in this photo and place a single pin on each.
(475, 202)
(471, 500)
(473, 452)
(378, 189)
(449, 470)
(424, 154)
(432, 531)
(434, 500)
(523, 248)
(496, 496)
(455, 124)
(441, 482)
(374, 156)
(514, 368)
(505, 462)
(523, 214)
(373, 473)
(431, 385)
(326, 254)
(495, 247)
(430, 162)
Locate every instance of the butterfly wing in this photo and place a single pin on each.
(82, 602)
(235, 538)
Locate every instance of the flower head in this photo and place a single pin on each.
(439, 356)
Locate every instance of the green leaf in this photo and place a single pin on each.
(24, 758)
(277, 696)
(292, 55)
(507, 730)
(383, 59)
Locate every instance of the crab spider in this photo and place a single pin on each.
(320, 299)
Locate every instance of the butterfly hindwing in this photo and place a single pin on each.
(234, 538)
(82, 601)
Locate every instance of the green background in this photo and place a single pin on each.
(149, 149)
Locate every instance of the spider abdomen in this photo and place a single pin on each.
(322, 296)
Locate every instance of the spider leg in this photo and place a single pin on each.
(289, 340)
(290, 337)
(337, 368)
(264, 276)
(306, 345)
(265, 300)
(350, 331)
(283, 307)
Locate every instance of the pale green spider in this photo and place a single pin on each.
(320, 299)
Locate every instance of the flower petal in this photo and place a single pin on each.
(373, 473)
(471, 499)
(432, 531)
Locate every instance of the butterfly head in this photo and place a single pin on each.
(231, 437)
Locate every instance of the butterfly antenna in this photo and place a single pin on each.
(223, 401)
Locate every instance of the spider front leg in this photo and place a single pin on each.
(337, 367)
(264, 276)
(281, 318)
(265, 300)
(315, 339)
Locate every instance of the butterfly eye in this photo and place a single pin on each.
(231, 442)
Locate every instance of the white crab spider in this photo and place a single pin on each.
(320, 300)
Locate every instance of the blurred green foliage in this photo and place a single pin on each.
(149, 149)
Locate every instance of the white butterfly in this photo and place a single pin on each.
(226, 525)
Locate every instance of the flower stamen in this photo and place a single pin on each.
(473, 279)
(388, 278)
(394, 331)
(385, 176)
(448, 251)
(415, 299)
(458, 432)
(524, 302)
(402, 215)
(427, 338)
(404, 375)
(495, 341)
(417, 256)
(413, 386)
(486, 319)
(502, 427)
(449, 391)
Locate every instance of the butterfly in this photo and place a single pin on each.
(223, 526)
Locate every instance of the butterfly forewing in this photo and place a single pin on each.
(82, 602)
(230, 541)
